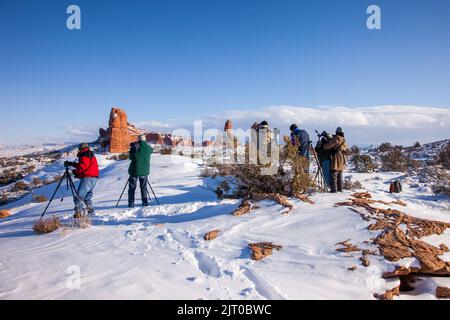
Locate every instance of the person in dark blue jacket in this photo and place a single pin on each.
(301, 138)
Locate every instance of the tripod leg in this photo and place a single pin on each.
(51, 199)
(120, 198)
(154, 195)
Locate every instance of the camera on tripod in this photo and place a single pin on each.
(68, 164)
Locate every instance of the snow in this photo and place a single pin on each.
(158, 252)
(9, 151)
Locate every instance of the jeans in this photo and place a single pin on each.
(326, 169)
(132, 181)
(336, 181)
(85, 192)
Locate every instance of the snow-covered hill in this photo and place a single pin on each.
(158, 252)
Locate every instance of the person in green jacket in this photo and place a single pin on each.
(139, 169)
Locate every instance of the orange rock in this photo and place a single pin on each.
(347, 247)
(389, 294)
(364, 261)
(261, 250)
(244, 208)
(443, 292)
(4, 214)
(211, 235)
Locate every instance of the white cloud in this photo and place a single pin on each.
(153, 125)
(363, 125)
(73, 133)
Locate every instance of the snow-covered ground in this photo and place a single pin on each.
(9, 151)
(158, 252)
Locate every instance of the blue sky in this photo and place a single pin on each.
(170, 60)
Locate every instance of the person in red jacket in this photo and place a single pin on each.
(86, 169)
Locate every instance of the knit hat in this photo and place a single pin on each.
(293, 127)
(339, 130)
(83, 146)
(142, 137)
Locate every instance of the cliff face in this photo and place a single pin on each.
(119, 134)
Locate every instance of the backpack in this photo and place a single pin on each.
(395, 187)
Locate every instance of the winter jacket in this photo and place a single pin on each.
(338, 147)
(87, 166)
(140, 153)
(322, 154)
(301, 138)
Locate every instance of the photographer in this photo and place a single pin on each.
(338, 147)
(300, 138)
(139, 169)
(324, 156)
(86, 169)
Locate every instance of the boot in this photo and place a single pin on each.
(90, 210)
(79, 213)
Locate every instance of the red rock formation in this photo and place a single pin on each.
(119, 134)
(155, 138)
(118, 131)
(228, 125)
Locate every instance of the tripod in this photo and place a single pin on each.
(148, 193)
(321, 181)
(69, 182)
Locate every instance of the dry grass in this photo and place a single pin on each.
(39, 198)
(43, 226)
(4, 214)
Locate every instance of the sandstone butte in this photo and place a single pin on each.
(120, 133)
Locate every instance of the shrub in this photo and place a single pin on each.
(4, 214)
(20, 186)
(349, 184)
(39, 198)
(443, 157)
(208, 172)
(53, 179)
(417, 145)
(251, 180)
(30, 169)
(36, 181)
(384, 147)
(355, 150)
(395, 160)
(222, 189)
(3, 198)
(363, 163)
(43, 226)
(166, 151)
(441, 183)
(123, 156)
